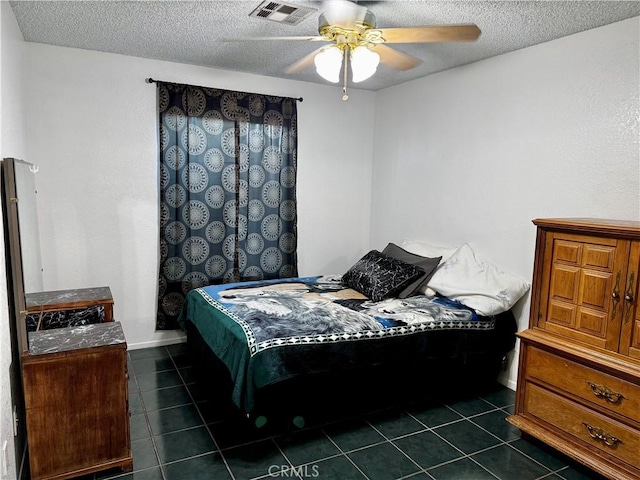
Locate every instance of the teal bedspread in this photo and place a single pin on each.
(268, 331)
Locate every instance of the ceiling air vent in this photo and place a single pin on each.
(282, 12)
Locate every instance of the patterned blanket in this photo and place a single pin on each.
(264, 330)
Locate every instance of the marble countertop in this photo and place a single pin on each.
(71, 296)
(74, 338)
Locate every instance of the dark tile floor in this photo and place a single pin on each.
(178, 433)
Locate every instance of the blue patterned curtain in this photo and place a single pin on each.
(227, 190)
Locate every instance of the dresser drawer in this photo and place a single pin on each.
(592, 428)
(610, 392)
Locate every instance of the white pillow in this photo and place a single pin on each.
(477, 284)
(428, 250)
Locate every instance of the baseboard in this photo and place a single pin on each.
(157, 343)
(504, 380)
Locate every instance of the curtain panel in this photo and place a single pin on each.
(227, 190)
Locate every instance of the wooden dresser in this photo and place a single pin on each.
(579, 371)
(76, 401)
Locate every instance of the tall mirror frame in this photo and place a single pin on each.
(16, 301)
(15, 255)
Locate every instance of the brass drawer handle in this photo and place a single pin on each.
(605, 392)
(602, 435)
(616, 296)
(628, 297)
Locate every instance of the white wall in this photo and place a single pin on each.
(92, 131)
(11, 145)
(475, 153)
(471, 154)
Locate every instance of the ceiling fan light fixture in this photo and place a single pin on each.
(364, 63)
(328, 63)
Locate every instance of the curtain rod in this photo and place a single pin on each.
(152, 80)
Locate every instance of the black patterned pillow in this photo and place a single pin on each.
(378, 276)
(417, 286)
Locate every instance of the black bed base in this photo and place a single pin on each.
(316, 399)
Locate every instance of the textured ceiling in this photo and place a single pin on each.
(192, 31)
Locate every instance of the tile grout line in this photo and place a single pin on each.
(551, 471)
(432, 430)
(204, 422)
(398, 448)
(160, 463)
(482, 466)
(501, 441)
(507, 442)
(146, 418)
(341, 453)
(468, 456)
(464, 454)
(285, 457)
(345, 453)
(414, 475)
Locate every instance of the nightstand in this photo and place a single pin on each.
(76, 399)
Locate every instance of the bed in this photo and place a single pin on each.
(271, 343)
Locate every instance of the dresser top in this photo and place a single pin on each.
(75, 338)
(72, 298)
(598, 226)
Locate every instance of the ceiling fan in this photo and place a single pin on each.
(353, 35)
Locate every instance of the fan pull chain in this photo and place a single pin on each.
(345, 97)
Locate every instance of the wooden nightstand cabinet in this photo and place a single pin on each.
(579, 371)
(76, 400)
(68, 308)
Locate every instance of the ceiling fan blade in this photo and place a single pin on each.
(442, 33)
(253, 39)
(396, 59)
(304, 62)
(343, 13)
